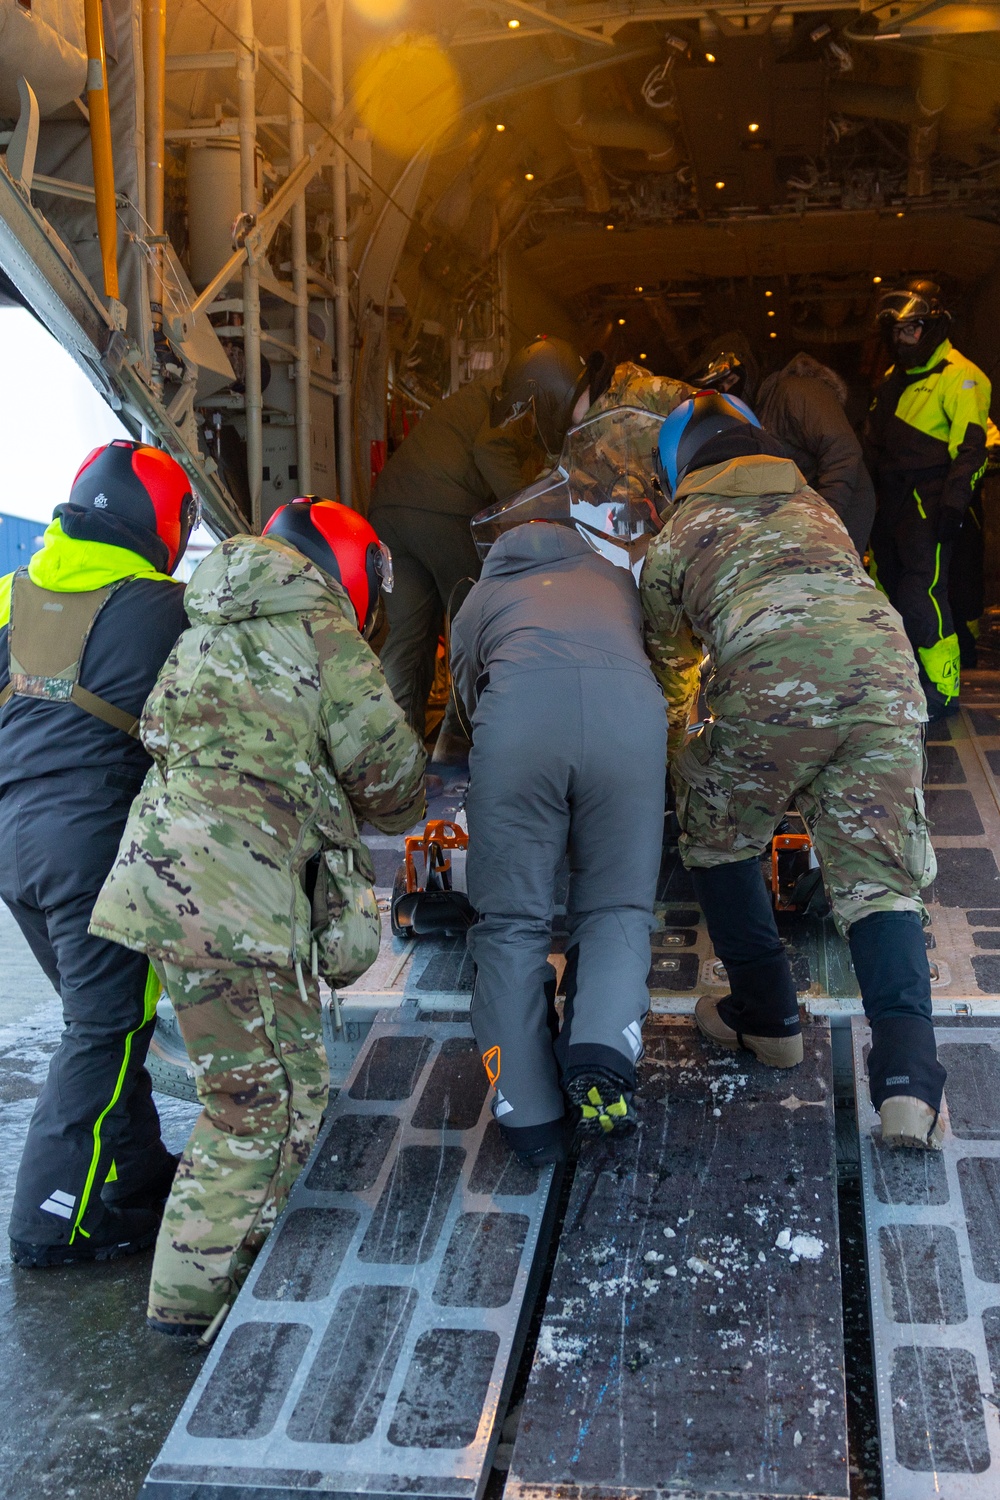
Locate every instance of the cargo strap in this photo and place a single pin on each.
(47, 635)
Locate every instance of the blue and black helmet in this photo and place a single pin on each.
(691, 426)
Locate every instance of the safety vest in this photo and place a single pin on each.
(47, 634)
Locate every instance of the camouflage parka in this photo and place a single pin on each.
(624, 446)
(756, 569)
(273, 735)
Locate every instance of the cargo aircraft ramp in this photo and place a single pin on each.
(692, 1334)
(692, 1341)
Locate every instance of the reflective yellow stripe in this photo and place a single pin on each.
(151, 995)
(934, 584)
(920, 506)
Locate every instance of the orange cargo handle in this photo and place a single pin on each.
(437, 836)
(785, 843)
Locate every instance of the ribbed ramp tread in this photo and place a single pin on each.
(692, 1344)
(932, 1238)
(376, 1337)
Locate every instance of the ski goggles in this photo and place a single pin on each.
(382, 563)
(904, 307)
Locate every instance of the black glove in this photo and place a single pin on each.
(949, 524)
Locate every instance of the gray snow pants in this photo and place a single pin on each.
(571, 759)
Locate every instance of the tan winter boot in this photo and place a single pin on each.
(910, 1122)
(773, 1051)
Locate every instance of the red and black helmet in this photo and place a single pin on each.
(144, 495)
(342, 543)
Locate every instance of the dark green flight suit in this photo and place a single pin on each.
(448, 468)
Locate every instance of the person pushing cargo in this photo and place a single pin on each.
(241, 872)
(568, 758)
(448, 467)
(561, 391)
(814, 700)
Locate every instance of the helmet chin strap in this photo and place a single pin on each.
(909, 356)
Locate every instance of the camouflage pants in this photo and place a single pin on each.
(857, 785)
(263, 1083)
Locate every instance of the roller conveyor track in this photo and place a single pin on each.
(372, 1347)
(932, 1233)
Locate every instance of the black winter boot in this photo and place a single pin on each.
(905, 1079)
(761, 1012)
(539, 1145)
(114, 1234)
(603, 1097)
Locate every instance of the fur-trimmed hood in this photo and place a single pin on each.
(806, 366)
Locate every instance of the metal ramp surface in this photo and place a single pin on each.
(373, 1344)
(692, 1343)
(932, 1240)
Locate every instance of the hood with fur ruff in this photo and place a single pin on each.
(806, 366)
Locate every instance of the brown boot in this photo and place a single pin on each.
(773, 1051)
(907, 1121)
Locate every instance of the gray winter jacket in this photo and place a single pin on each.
(803, 406)
(546, 599)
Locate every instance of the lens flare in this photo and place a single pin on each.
(380, 12)
(408, 94)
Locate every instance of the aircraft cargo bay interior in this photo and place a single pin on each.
(283, 239)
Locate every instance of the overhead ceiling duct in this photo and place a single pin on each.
(921, 110)
(587, 131)
(624, 132)
(567, 106)
(933, 93)
(873, 101)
